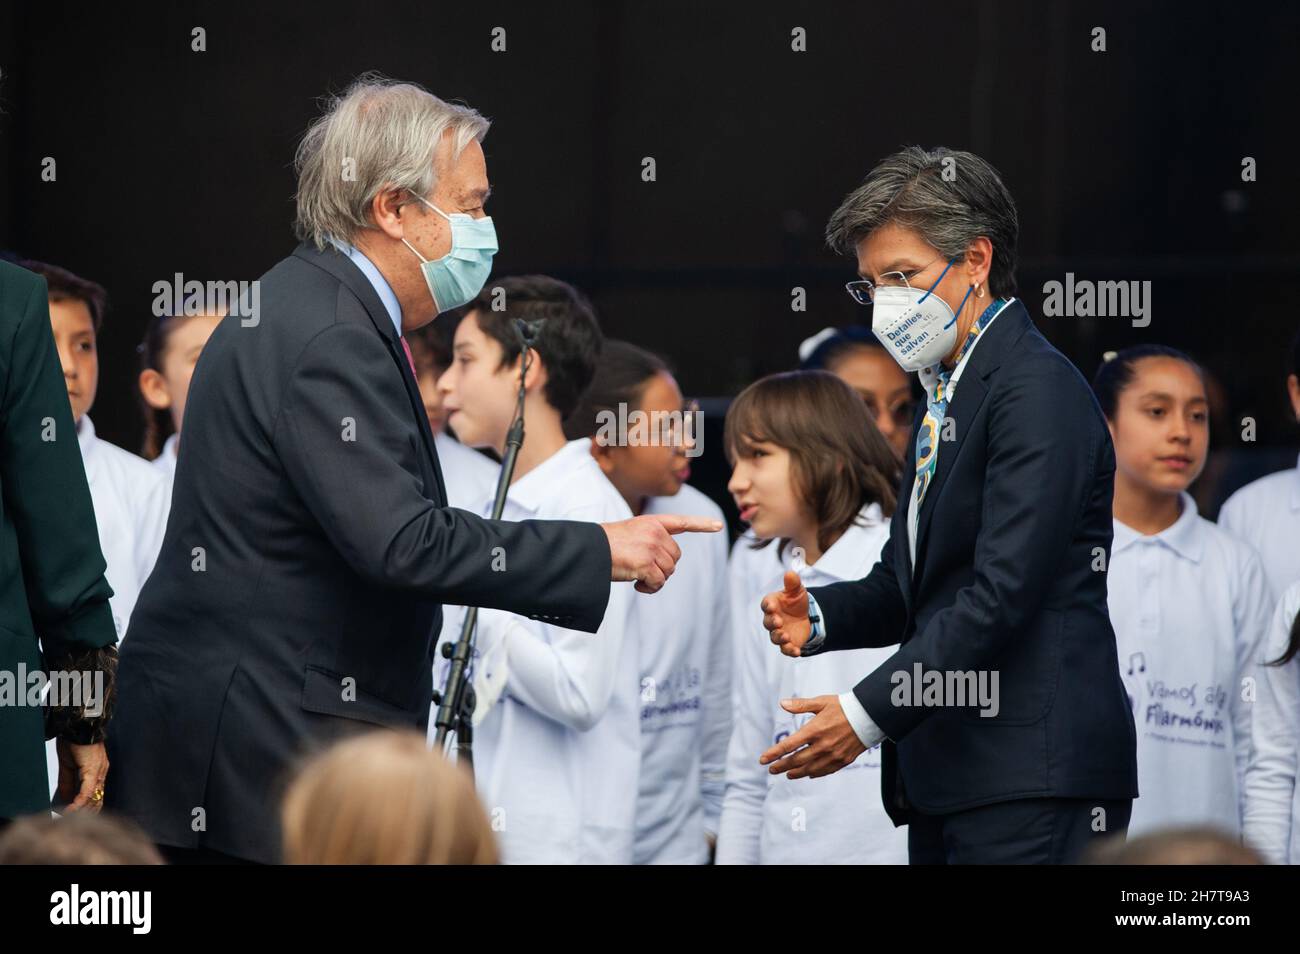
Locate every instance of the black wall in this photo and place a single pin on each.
(1125, 164)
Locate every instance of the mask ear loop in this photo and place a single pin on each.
(936, 285)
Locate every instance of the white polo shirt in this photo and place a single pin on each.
(684, 637)
(836, 819)
(1266, 514)
(1190, 607)
(121, 489)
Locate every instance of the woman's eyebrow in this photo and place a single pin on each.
(902, 265)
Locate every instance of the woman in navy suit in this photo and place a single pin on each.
(1007, 736)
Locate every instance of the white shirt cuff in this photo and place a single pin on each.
(868, 732)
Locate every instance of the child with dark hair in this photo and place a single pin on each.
(121, 484)
(683, 641)
(128, 511)
(470, 475)
(1189, 602)
(556, 742)
(168, 353)
(812, 475)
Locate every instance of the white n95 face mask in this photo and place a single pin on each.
(915, 325)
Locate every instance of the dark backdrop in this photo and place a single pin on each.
(1125, 164)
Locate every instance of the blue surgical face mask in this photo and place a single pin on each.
(461, 274)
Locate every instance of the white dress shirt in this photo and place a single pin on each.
(121, 487)
(557, 747)
(1266, 514)
(836, 819)
(1272, 815)
(684, 637)
(1190, 607)
(165, 462)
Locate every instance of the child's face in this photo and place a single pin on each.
(167, 389)
(74, 336)
(427, 373)
(763, 487)
(427, 379)
(478, 395)
(649, 469)
(1161, 428)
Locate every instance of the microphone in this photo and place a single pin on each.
(528, 331)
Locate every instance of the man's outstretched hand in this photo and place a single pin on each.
(785, 615)
(643, 548)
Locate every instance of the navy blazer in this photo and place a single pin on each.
(298, 593)
(1013, 540)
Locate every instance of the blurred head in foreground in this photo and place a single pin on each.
(384, 798)
(78, 838)
(1174, 846)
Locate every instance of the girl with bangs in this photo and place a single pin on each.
(813, 476)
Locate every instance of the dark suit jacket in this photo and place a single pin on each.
(1012, 541)
(297, 593)
(53, 595)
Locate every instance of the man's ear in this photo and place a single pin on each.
(153, 387)
(387, 208)
(1293, 389)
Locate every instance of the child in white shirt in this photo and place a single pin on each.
(813, 475)
(682, 632)
(121, 484)
(1189, 602)
(171, 347)
(469, 475)
(556, 740)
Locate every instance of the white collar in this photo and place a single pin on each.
(843, 561)
(85, 433)
(1184, 536)
(534, 487)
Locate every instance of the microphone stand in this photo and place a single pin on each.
(457, 700)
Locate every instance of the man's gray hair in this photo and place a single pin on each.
(380, 134)
(949, 198)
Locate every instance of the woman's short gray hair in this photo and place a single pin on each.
(948, 197)
(380, 134)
